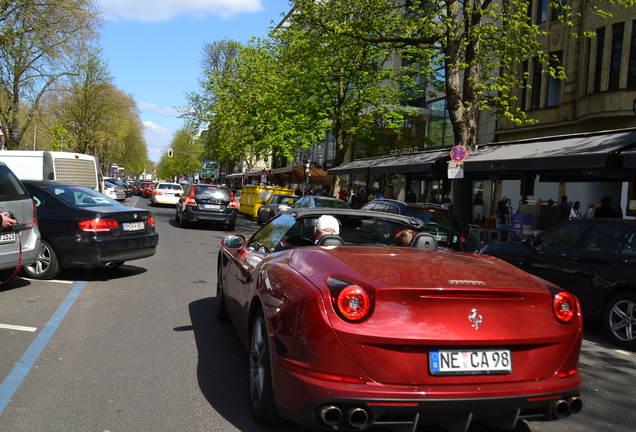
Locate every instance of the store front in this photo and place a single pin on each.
(423, 172)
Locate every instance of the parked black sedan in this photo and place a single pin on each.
(81, 227)
(595, 259)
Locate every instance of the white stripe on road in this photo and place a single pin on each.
(15, 327)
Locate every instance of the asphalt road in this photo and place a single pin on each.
(138, 348)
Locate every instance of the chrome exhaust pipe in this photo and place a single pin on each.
(357, 417)
(110, 264)
(576, 404)
(330, 415)
(560, 409)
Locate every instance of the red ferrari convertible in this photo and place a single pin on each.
(346, 330)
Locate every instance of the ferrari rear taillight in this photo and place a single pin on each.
(98, 225)
(351, 301)
(564, 306)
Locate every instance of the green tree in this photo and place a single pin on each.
(187, 149)
(41, 42)
(477, 46)
(101, 120)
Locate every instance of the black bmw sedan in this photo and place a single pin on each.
(81, 227)
(594, 259)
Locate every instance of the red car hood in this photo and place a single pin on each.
(423, 300)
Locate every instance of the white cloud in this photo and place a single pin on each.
(158, 138)
(154, 109)
(163, 10)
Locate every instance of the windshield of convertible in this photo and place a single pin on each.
(354, 230)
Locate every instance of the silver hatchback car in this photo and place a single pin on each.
(20, 244)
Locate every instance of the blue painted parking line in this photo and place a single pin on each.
(19, 372)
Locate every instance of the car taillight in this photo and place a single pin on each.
(564, 306)
(232, 204)
(98, 225)
(462, 240)
(150, 221)
(157, 192)
(351, 301)
(190, 200)
(35, 213)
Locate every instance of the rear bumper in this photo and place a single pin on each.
(27, 243)
(326, 405)
(194, 214)
(96, 251)
(396, 407)
(452, 414)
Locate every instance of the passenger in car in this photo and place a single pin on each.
(405, 237)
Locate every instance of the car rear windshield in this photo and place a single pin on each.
(172, 186)
(212, 193)
(80, 196)
(441, 217)
(331, 203)
(11, 188)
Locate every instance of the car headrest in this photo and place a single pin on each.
(331, 240)
(424, 240)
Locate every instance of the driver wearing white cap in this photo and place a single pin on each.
(326, 225)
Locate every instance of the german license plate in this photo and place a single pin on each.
(441, 237)
(212, 206)
(133, 226)
(470, 362)
(7, 237)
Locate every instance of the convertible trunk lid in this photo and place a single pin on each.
(428, 304)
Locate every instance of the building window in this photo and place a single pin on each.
(415, 91)
(536, 85)
(618, 31)
(600, 43)
(440, 129)
(542, 11)
(554, 84)
(631, 70)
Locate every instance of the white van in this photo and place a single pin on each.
(50, 165)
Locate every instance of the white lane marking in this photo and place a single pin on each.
(16, 327)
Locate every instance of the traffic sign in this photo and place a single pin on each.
(458, 153)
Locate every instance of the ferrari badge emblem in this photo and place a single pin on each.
(475, 318)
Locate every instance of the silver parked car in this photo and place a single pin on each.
(273, 206)
(21, 243)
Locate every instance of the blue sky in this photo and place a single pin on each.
(154, 49)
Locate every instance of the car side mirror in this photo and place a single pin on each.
(234, 241)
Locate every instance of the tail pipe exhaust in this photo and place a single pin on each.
(357, 417)
(564, 407)
(560, 409)
(330, 415)
(576, 404)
